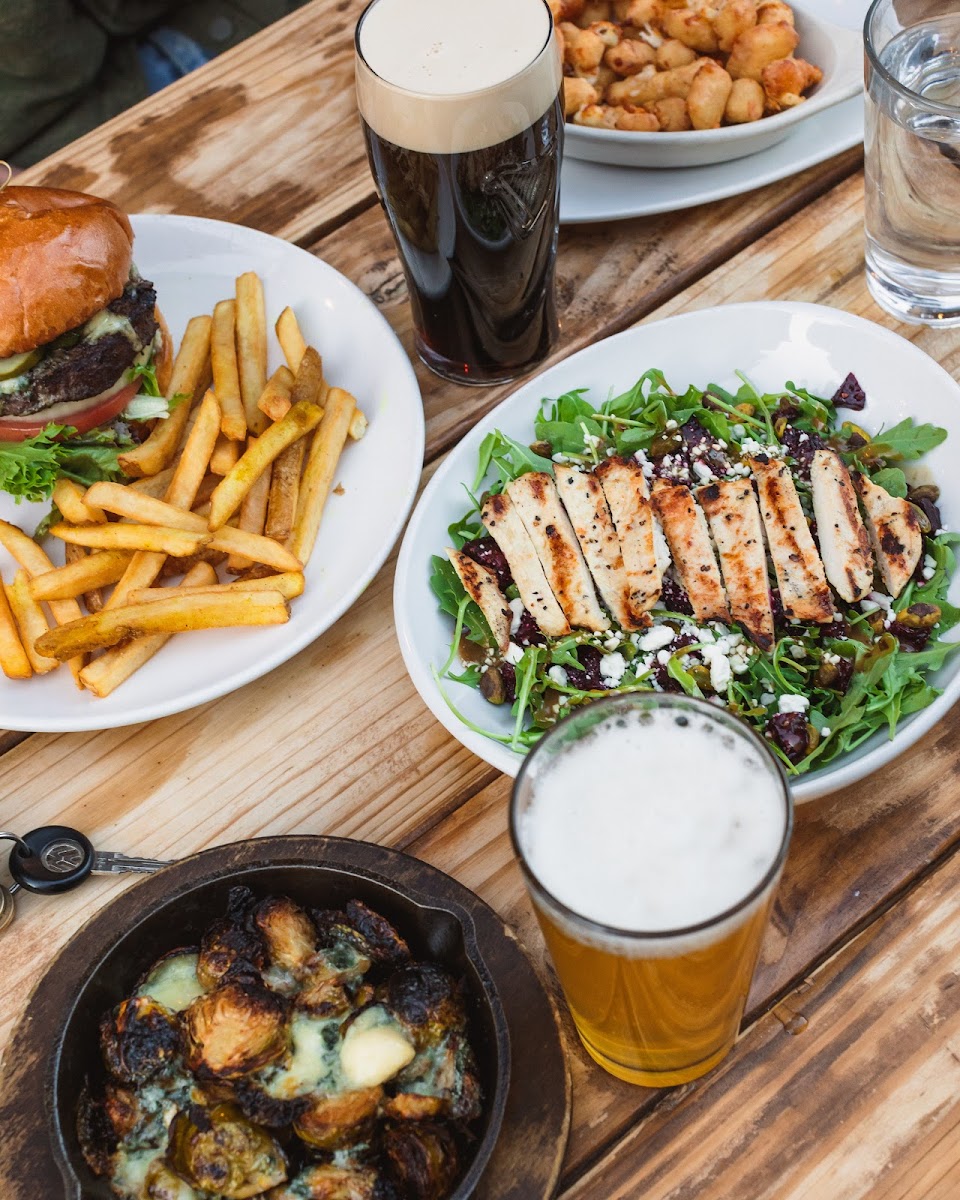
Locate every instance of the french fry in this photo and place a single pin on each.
(116, 498)
(14, 661)
(155, 538)
(290, 338)
(189, 377)
(253, 516)
(68, 497)
(252, 348)
(284, 490)
(82, 575)
(275, 398)
(226, 373)
(31, 623)
(358, 425)
(224, 456)
(107, 672)
(205, 490)
(173, 568)
(153, 485)
(325, 450)
(228, 496)
(288, 583)
(176, 614)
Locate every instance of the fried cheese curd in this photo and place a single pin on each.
(674, 65)
(293, 1054)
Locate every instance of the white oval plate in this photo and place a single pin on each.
(194, 263)
(838, 52)
(772, 342)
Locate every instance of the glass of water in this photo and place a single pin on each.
(912, 147)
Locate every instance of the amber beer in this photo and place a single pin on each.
(461, 111)
(652, 831)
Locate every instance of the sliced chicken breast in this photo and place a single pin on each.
(734, 517)
(843, 538)
(628, 498)
(589, 513)
(804, 592)
(537, 503)
(685, 528)
(505, 527)
(482, 587)
(895, 533)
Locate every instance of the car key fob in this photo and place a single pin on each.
(52, 859)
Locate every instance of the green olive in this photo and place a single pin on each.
(492, 686)
(813, 738)
(544, 449)
(826, 675)
(922, 519)
(701, 677)
(925, 491)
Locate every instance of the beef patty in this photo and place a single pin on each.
(82, 369)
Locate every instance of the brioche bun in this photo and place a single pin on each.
(163, 358)
(63, 257)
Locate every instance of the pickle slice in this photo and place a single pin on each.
(16, 364)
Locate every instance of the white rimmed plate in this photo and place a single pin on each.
(772, 342)
(194, 263)
(838, 52)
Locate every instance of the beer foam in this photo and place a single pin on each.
(653, 826)
(451, 76)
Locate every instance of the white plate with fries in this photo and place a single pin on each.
(286, 456)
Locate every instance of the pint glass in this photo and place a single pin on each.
(652, 831)
(461, 109)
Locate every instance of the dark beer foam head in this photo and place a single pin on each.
(450, 76)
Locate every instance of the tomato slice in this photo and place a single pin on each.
(18, 429)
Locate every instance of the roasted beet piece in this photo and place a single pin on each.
(801, 447)
(528, 633)
(487, 553)
(701, 446)
(674, 597)
(588, 678)
(789, 732)
(850, 394)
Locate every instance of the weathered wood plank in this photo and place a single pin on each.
(608, 277)
(265, 135)
(864, 1103)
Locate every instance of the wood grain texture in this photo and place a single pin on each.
(265, 135)
(608, 277)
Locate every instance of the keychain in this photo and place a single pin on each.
(56, 858)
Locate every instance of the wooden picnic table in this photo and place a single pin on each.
(846, 1080)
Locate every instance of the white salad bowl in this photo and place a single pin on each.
(837, 52)
(814, 347)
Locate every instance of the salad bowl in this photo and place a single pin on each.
(815, 348)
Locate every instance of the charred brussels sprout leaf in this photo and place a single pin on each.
(238, 1028)
(326, 1181)
(95, 1133)
(423, 1159)
(425, 999)
(219, 1151)
(334, 1121)
(290, 935)
(232, 945)
(387, 945)
(138, 1039)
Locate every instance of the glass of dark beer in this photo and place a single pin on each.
(461, 108)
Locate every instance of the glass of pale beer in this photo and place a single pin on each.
(652, 830)
(461, 107)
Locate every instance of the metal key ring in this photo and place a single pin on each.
(20, 843)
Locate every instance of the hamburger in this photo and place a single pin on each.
(85, 356)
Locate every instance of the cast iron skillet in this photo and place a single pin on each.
(430, 910)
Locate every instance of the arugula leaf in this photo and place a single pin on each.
(510, 459)
(446, 586)
(906, 441)
(892, 480)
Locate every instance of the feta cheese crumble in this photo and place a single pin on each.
(793, 704)
(514, 653)
(516, 608)
(613, 667)
(656, 638)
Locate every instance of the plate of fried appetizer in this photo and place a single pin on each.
(750, 504)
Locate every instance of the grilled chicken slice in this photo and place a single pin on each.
(628, 498)
(804, 592)
(537, 503)
(688, 537)
(481, 586)
(734, 517)
(844, 544)
(895, 533)
(505, 527)
(590, 517)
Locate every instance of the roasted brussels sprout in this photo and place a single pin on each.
(334, 1121)
(138, 1039)
(328, 1182)
(231, 946)
(423, 1159)
(218, 1150)
(290, 935)
(323, 995)
(172, 980)
(95, 1133)
(441, 1081)
(161, 1183)
(238, 1028)
(424, 998)
(387, 945)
